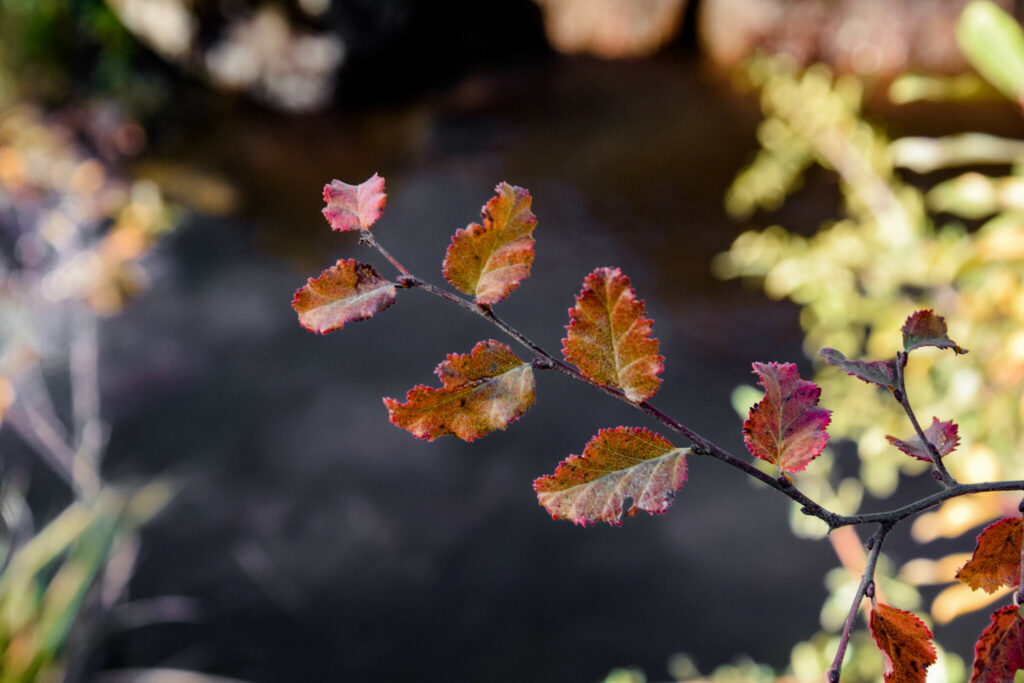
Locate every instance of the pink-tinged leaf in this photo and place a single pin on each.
(609, 339)
(999, 652)
(345, 292)
(620, 463)
(489, 261)
(943, 435)
(786, 428)
(996, 559)
(484, 390)
(354, 207)
(878, 372)
(905, 642)
(924, 328)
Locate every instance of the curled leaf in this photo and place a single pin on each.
(924, 328)
(905, 641)
(354, 207)
(345, 292)
(489, 261)
(996, 558)
(943, 435)
(486, 389)
(609, 339)
(999, 652)
(620, 463)
(878, 372)
(786, 428)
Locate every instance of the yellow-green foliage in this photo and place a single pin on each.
(858, 277)
(889, 253)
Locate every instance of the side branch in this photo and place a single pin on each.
(931, 501)
(867, 585)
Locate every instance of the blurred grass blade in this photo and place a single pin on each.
(992, 41)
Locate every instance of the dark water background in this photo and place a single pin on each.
(325, 544)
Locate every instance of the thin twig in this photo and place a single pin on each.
(1019, 597)
(867, 580)
(368, 237)
(36, 431)
(83, 364)
(947, 479)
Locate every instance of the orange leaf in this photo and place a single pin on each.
(489, 261)
(999, 652)
(345, 292)
(924, 328)
(786, 428)
(905, 641)
(609, 339)
(620, 463)
(996, 559)
(486, 389)
(354, 207)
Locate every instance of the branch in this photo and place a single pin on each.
(1018, 599)
(867, 586)
(701, 445)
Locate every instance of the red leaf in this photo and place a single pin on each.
(943, 435)
(354, 207)
(785, 427)
(345, 292)
(487, 389)
(999, 652)
(609, 339)
(924, 328)
(996, 558)
(878, 372)
(489, 261)
(905, 641)
(620, 463)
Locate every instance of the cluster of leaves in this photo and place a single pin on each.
(623, 470)
(896, 247)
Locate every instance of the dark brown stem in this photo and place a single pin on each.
(947, 479)
(1019, 597)
(867, 580)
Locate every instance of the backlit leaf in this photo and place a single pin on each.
(924, 328)
(996, 559)
(345, 292)
(786, 427)
(943, 435)
(617, 464)
(354, 207)
(489, 261)
(878, 372)
(609, 339)
(484, 390)
(905, 641)
(999, 652)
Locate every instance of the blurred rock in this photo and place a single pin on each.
(611, 28)
(867, 37)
